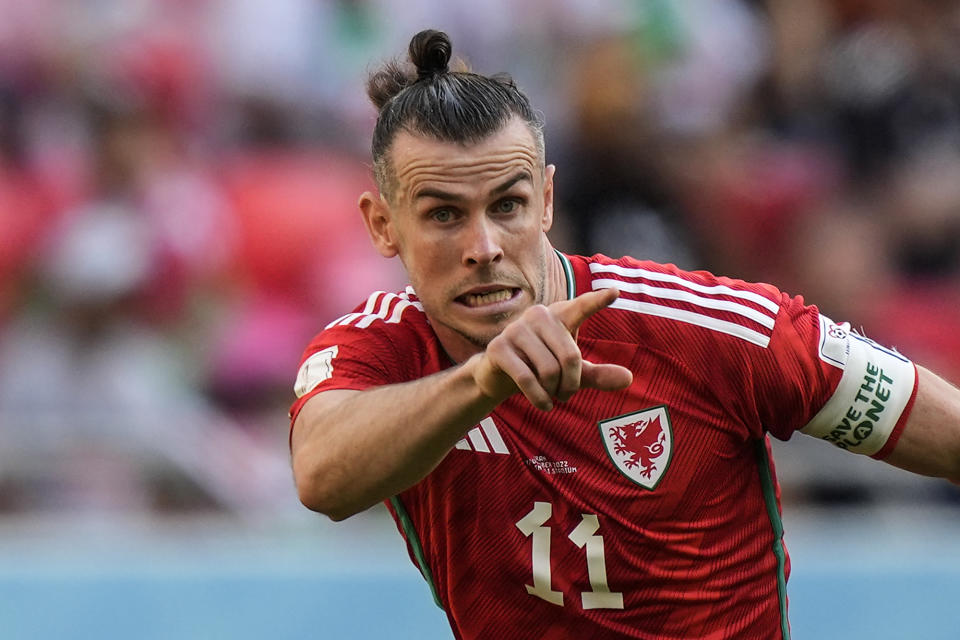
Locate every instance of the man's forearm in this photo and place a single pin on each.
(930, 442)
(352, 449)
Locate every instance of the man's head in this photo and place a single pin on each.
(465, 199)
(428, 99)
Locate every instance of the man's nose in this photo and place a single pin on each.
(482, 243)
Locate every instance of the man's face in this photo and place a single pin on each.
(469, 223)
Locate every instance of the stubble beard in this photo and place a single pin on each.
(501, 320)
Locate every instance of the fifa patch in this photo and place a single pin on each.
(314, 370)
(834, 345)
(640, 444)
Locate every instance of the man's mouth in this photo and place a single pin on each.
(486, 297)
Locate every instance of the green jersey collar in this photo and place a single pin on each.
(568, 275)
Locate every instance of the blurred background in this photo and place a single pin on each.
(178, 181)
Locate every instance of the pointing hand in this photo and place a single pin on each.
(537, 354)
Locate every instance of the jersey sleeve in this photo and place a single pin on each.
(825, 380)
(351, 357)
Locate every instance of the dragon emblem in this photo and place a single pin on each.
(642, 442)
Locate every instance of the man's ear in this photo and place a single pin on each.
(377, 218)
(547, 220)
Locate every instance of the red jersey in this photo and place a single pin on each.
(651, 512)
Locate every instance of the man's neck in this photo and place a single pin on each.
(556, 280)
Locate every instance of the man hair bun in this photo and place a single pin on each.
(430, 56)
(425, 96)
(430, 53)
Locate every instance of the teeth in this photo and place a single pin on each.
(491, 297)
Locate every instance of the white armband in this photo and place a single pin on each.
(875, 388)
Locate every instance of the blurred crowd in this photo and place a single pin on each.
(178, 184)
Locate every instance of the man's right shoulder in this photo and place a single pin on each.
(385, 339)
(381, 310)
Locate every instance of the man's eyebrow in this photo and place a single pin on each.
(440, 194)
(517, 177)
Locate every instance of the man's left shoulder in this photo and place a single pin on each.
(630, 269)
(691, 303)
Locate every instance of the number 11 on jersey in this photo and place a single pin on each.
(584, 535)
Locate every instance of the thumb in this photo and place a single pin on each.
(606, 377)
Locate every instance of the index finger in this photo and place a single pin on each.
(573, 313)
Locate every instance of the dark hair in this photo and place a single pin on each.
(427, 98)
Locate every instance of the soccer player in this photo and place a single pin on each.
(574, 447)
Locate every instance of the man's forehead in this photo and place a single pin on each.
(511, 148)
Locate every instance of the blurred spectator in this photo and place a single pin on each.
(26, 207)
(303, 258)
(612, 184)
(920, 217)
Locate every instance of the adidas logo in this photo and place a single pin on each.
(483, 438)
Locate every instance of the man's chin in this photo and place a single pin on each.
(481, 336)
(464, 334)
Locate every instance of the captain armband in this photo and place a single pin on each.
(874, 391)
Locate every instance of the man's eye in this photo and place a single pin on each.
(507, 206)
(442, 215)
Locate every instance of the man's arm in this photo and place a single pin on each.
(930, 442)
(352, 449)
